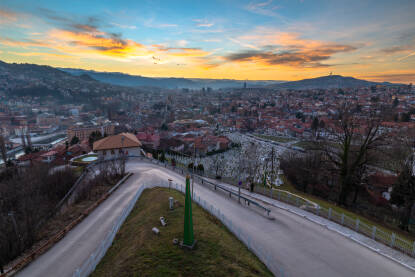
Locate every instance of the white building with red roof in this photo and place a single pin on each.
(117, 146)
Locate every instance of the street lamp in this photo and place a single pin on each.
(239, 191)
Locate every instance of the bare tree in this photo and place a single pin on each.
(403, 193)
(307, 172)
(27, 195)
(218, 165)
(3, 149)
(249, 164)
(350, 147)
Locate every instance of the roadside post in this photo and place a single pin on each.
(239, 191)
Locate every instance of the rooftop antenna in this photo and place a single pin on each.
(331, 73)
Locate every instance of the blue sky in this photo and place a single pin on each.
(268, 39)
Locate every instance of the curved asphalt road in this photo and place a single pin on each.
(298, 246)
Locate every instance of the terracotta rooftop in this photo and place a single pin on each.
(123, 140)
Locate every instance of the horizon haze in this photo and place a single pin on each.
(252, 40)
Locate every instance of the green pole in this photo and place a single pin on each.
(188, 239)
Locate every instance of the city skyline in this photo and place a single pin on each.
(255, 40)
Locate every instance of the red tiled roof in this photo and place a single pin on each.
(123, 140)
(50, 153)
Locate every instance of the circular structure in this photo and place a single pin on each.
(89, 159)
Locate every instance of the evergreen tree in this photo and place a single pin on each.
(93, 137)
(315, 124)
(162, 157)
(405, 117)
(74, 140)
(395, 102)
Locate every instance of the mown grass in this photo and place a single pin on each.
(136, 251)
(309, 145)
(276, 139)
(327, 204)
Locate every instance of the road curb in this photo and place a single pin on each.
(349, 236)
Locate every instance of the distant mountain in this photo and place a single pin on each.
(30, 79)
(86, 77)
(327, 82)
(122, 79)
(42, 81)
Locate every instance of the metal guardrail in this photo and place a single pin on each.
(231, 192)
(91, 263)
(35, 253)
(390, 239)
(203, 181)
(78, 181)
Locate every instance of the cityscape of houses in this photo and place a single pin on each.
(193, 122)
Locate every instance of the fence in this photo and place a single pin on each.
(388, 238)
(90, 264)
(25, 260)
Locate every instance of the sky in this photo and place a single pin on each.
(252, 40)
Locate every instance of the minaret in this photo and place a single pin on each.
(29, 142)
(22, 137)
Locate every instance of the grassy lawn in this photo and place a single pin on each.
(306, 145)
(79, 170)
(326, 204)
(276, 139)
(303, 144)
(136, 251)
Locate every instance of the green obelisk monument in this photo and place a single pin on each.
(188, 240)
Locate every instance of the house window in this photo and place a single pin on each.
(112, 152)
(104, 152)
(120, 151)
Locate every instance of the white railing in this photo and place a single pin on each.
(90, 264)
(388, 238)
(265, 256)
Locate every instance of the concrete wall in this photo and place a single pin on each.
(111, 154)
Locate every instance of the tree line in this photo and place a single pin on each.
(343, 155)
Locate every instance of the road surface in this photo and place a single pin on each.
(298, 246)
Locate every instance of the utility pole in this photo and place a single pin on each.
(272, 169)
(239, 191)
(193, 167)
(23, 140)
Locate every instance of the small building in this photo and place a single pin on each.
(49, 156)
(83, 132)
(118, 145)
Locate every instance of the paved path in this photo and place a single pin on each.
(347, 232)
(298, 246)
